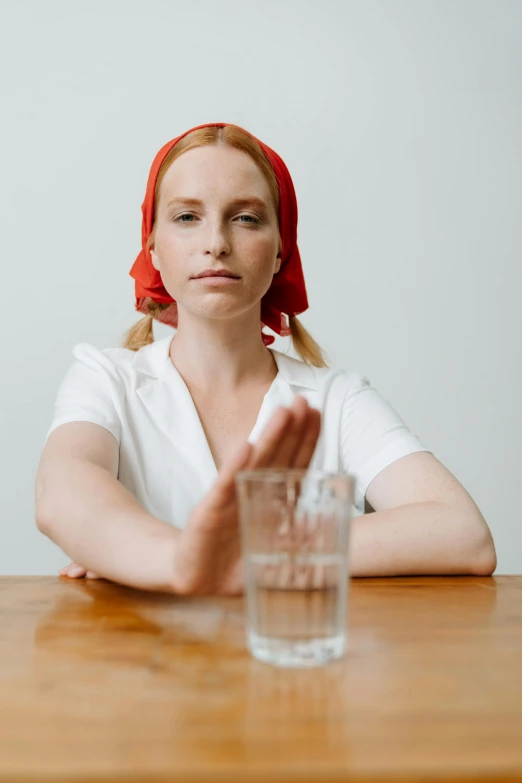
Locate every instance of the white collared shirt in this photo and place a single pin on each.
(165, 459)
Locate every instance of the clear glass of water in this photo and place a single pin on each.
(295, 527)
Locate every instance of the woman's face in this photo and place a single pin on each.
(206, 220)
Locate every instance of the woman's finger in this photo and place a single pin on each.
(268, 445)
(73, 570)
(65, 570)
(224, 489)
(289, 444)
(306, 447)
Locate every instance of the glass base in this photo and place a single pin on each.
(283, 652)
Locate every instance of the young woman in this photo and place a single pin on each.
(136, 479)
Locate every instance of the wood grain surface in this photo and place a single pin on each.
(99, 682)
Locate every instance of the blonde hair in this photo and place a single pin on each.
(141, 333)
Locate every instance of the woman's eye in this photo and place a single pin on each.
(252, 218)
(179, 219)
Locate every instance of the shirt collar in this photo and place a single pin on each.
(153, 359)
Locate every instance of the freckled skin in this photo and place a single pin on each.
(214, 235)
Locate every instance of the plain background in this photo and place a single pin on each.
(401, 124)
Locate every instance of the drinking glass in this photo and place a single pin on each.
(295, 526)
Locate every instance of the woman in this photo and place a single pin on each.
(136, 479)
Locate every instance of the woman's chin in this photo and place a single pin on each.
(220, 308)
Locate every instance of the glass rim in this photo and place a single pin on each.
(282, 474)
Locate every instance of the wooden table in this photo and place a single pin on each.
(102, 683)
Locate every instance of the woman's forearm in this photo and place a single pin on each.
(421, 539)
(99, 524)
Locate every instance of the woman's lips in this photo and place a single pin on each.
(217, 280)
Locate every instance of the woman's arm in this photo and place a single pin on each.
(424, 523)
(85, 510)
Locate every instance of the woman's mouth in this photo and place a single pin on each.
(216, 280)
(217, 277)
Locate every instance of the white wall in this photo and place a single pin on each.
(401, 124)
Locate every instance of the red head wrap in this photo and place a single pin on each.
(287, 293)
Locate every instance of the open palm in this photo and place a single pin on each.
(208, 556)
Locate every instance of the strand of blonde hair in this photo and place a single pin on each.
(142, 332)
(305, 345)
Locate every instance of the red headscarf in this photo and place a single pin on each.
(287, 292)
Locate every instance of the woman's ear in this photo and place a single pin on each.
(277, 264)
(155, 259)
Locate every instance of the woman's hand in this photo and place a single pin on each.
(208, 550)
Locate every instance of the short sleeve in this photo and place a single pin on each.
(90, 391)
(372, 436)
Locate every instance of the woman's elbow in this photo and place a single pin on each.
(42, 522)
(43, 516)
(484, 556)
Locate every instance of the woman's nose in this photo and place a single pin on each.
(217, 239)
